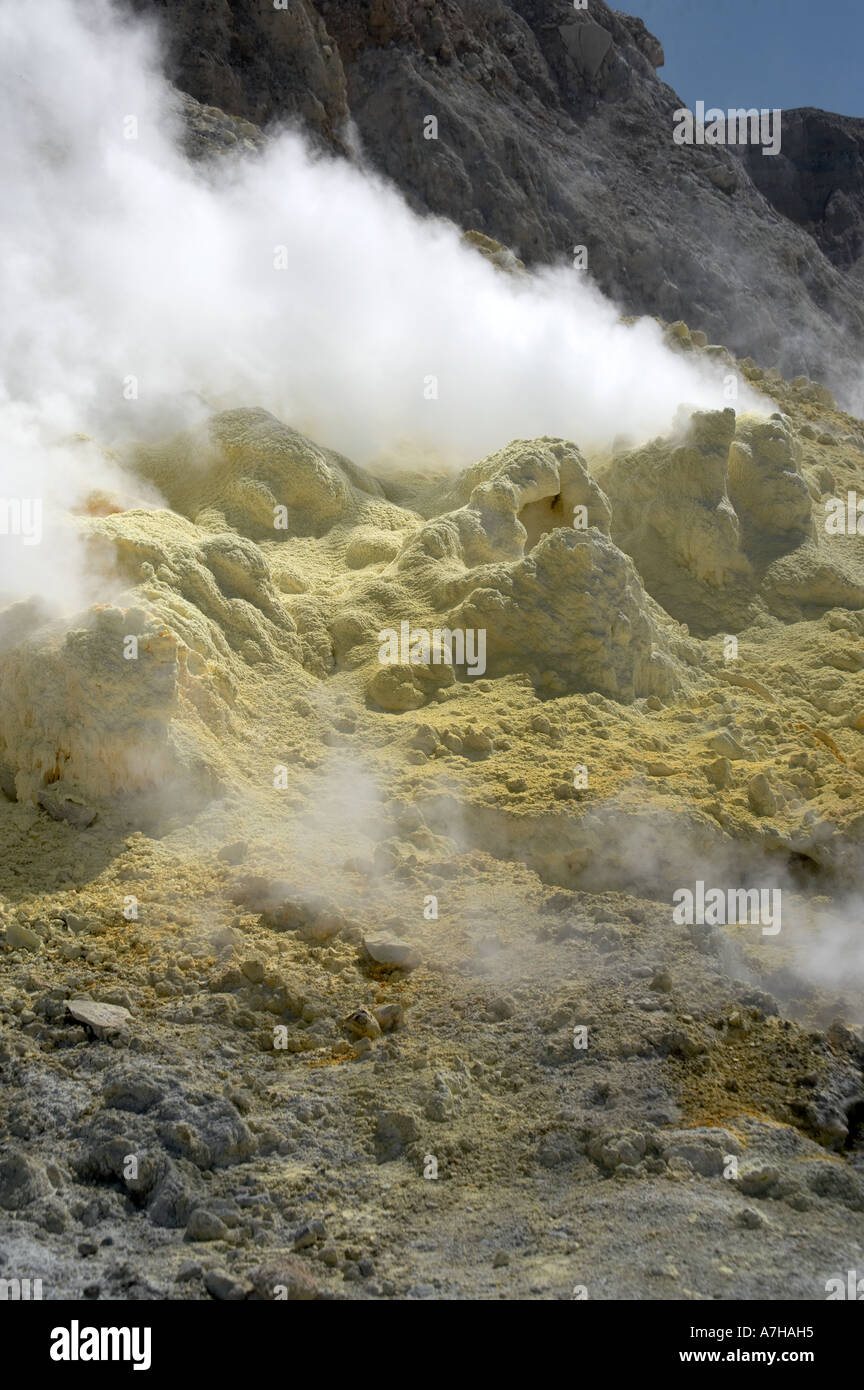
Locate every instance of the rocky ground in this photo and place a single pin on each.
(398, 1006)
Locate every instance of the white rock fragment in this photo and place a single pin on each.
(386, 949)
(101, 1018)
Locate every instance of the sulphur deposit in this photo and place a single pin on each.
(335, 959)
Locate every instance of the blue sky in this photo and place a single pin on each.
(783, 53)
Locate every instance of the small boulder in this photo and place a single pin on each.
(101, 1019)
(204, 1225)
(283, 1278)
(389, 1017)
(386, 949)
(21, 937)
(362, 1024)
(68, 808)
(760, 796)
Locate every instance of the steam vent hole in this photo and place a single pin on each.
(541, 517)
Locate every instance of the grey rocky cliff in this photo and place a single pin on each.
(818, 181)
(555, 131)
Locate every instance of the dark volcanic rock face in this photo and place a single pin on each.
(555, 131)
(255, 61)
(818, 180)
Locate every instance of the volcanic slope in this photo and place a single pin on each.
(399, 1005)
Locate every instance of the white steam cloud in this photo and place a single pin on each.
(139, 293)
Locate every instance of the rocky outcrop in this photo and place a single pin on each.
(548, 128)
(817, 180)
(208, 131)
(80, 721)
(250, 470)
(722, 523)
(575, 616)
(766, 486)
(672, 513)
(525, 557)
(256, 61)
(514, 497)
(278, 563)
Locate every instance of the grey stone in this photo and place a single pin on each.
(62, 807)
(204, 1225)
(386, 949)
(22, 1180)
(225, 1287)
